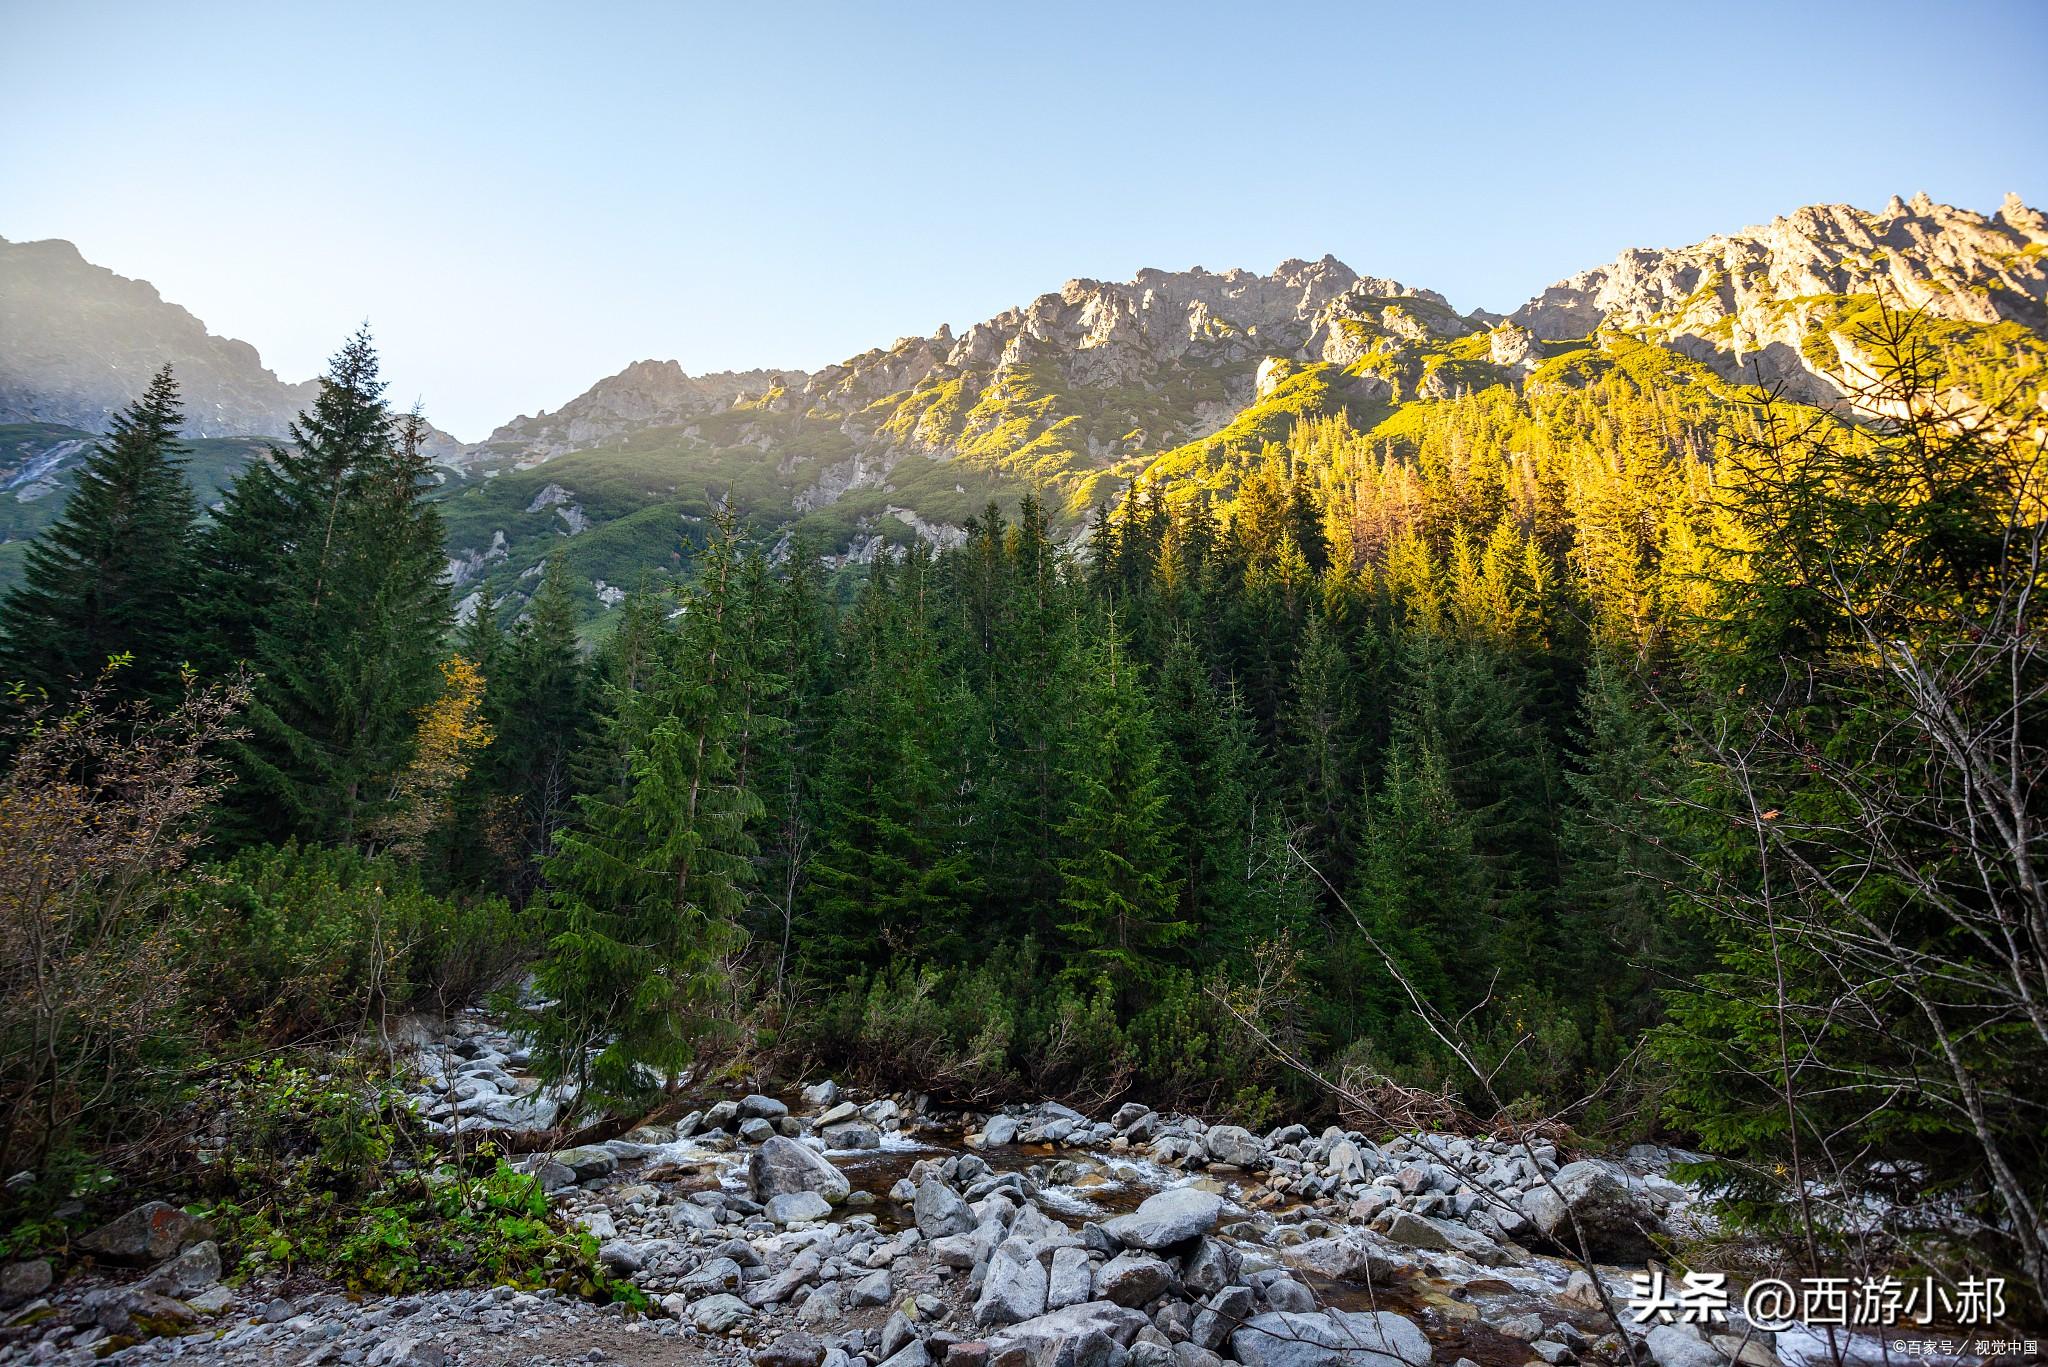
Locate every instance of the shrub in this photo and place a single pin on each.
(292, 941)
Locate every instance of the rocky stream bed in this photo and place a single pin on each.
(820, 1229)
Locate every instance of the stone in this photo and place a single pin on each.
(755, 1130)
(820, 1308)
(1167, 1218)
(713, 1274)
(794, 1207)
(782, 1165)
(940, 1211)
(1092, 1349)
(1000, 1130)
(1681, 1345)
(24, 1281)
(212, 1300)
(873, 1289)
(897, 1330)
(196, 1267)
(1285, 1293)
(588, 1162)
(1070, 1280)
(1580, 1292)
(911, 1354)
(147, 1234)
(1013, 1289)
(1212, 1266)
(1335, 1338)
(853, 1135)
(793, 1349)
(1035, 1341)
(1133, 1279)
(1553, 1352)
(133, 1312)
(1601, 1202)
(1234, 1144)
(824, 1093)
(621, 1257)
(1356, 1255)
(756, 1106)
(716, 1314)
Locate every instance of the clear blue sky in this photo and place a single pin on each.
(522, 198)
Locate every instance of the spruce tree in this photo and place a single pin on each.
(1119, 897)
(328, 577)
(540, 712)
(109, 578)
(646, 888)
(893, 875)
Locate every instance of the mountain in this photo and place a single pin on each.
(1179, 377)
(1761, 299)
(77, 342)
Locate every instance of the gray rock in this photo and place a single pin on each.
(897, 1330)
(1356, 1255)
(1285, 1293)
(1012, 1290)
(716, 1314)
(1000, 1130)
(873, 1289)
(1600, 1201)
(24, 1281)
(793, 1349)
(824, 1093)
(1167, 1218)
(147, 1234)
(1335, 1338)
(853, 1135)
(1212, 1266)
(1039, 1339)
(764, 1108)
(193, 1269)
(1070, 1280)
(1092, 1349)
(714, 1274)
(621, 1257)
(1134, 1279)
(1234, 1144)
(754, 1130)
(782, 1165)
(911, 1354)
(941, 1211)
(590, 1161)
(820, 1308)
(793, 1207)
(1681, 1345)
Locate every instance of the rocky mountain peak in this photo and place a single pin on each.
(1744, 302)
(78, 342)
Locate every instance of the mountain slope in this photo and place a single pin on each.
(77, 342)
(1185, 378)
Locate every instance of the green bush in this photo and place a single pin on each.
(326, 1170)
(291, 941)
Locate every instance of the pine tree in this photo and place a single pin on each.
(646, 888)
(109, 577)
(1119, 895)
(894, 875)
(324, 572)
(540, 711)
